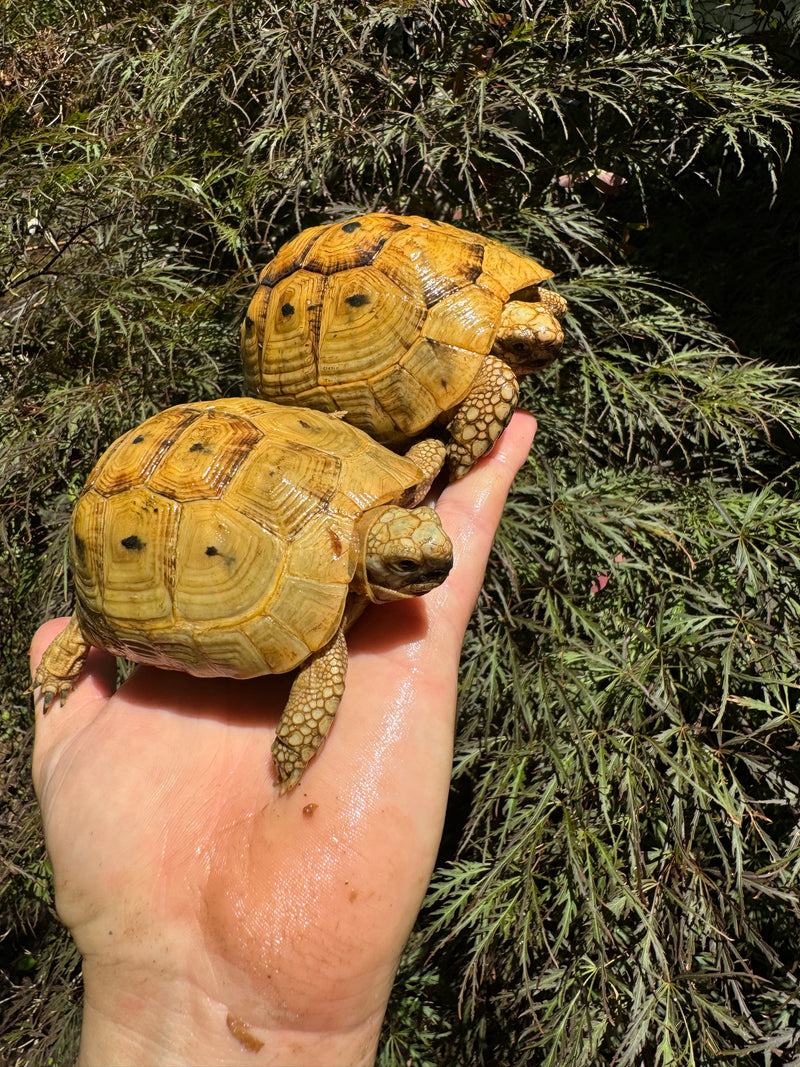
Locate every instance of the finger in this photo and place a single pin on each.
(98, 677)
(470, 510)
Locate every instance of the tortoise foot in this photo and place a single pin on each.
(61, 665)
(430, 456)
(289, 765)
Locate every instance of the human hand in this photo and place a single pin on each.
(218, 921)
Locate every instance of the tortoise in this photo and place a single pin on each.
(401, 323)
(241, 538)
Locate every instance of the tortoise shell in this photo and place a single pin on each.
(218, 537)
(386, 318)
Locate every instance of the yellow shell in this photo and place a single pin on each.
(218, 537)
(384, 317)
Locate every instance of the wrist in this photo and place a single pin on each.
(148, 1022)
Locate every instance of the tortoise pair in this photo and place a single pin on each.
(242, 537)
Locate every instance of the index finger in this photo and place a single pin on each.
(470, 510)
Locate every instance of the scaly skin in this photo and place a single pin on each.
(553, 302)
(430, 456)
(61, 664)
(482, 415)
(307, 717)
(529, 334)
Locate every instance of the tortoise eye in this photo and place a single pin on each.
(405, 565)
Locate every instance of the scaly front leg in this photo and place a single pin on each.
(61, 664)
(430, 456)
(313, 701)
(482, 415)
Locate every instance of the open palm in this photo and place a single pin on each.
(218, 921)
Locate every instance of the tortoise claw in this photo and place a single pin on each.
(289, 784)
(288, 765)
(50, 692)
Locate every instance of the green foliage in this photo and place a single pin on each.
(618, 883)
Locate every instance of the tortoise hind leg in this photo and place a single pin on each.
(313, 701)
(61, 664)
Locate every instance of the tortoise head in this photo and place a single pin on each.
(530, 334)
(402, 552)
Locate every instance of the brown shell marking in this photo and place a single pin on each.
(218, 537)
(290, 256)
(349, 245)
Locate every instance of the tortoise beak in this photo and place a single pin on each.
(436, 573)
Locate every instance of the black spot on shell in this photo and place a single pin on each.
(350, 227)
(133, 543)
(287, 309)
(200, 446)
(248, 322)
(357, 300)
(305, 425)
(138, 440)
(80, 547)
(211, 551)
